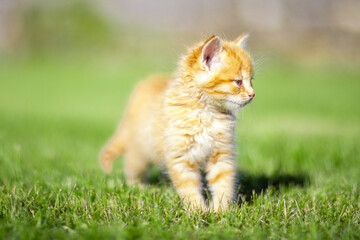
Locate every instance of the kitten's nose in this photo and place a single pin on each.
(251, 96)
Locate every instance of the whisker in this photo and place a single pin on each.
(260, 62)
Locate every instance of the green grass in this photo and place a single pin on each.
(298, 156)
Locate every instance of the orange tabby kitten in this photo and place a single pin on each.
(187, 122)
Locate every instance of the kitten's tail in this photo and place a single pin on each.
(114, 148)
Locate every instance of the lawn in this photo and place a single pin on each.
(298, 155)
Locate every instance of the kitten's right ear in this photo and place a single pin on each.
(211, 48)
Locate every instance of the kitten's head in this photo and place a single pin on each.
(223, 70)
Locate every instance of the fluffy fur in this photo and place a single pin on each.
(187, 122)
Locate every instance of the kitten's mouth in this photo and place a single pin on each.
(242, 104)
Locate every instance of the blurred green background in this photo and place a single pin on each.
(82, 58)
(67, 69)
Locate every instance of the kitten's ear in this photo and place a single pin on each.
(242, 40)
(211, 48)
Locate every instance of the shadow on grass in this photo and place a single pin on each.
(247, 185)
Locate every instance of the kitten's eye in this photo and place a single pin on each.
(238, 82)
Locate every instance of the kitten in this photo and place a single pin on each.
(187, 122)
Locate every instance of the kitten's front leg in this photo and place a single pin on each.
(186, 177)
(221, 172)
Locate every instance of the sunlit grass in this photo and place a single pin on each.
(298, 156)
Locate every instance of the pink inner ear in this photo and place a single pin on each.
(208, 59)
(210, 50)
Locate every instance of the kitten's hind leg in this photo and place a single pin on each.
(135, 166)
(113, 149)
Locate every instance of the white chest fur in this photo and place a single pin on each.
(196, 134)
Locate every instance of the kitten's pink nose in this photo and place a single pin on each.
(251, 96)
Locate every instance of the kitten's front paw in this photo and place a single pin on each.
(197, 207)
(221, 206)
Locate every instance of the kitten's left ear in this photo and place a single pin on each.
(211, 48)
(242, 40)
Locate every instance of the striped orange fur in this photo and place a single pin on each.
(187, 122)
